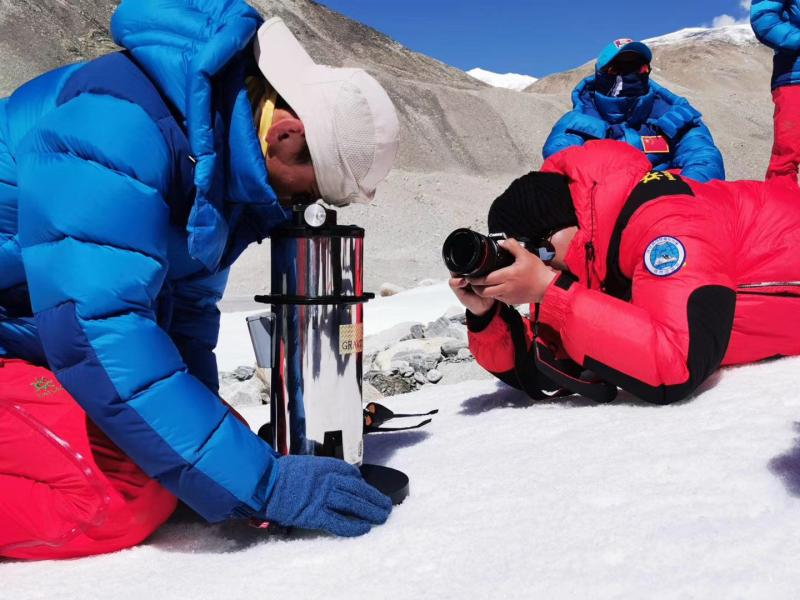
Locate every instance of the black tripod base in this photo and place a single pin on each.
(388, 481)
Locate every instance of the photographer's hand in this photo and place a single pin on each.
(466, 295)
(524, 282)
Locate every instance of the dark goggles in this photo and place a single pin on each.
(627, 68)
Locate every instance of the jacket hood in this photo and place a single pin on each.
(196, 53)
(602, 175)
(182, 45)
(633, 111)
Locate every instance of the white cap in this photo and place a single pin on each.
(351, 125)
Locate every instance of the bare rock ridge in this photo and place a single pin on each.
(462, 141)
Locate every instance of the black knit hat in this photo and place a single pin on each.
(533, 207)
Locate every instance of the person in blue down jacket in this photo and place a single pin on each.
(128, 186)
(776, 23)
(620, 102)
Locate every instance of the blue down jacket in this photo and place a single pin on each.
(659, 112)
(128, 185)
(777, 24)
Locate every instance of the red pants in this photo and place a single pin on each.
(65, 489)
(786, 148)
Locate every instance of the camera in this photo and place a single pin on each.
(468, 253)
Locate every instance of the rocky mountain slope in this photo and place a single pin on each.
(462, 141)
(38, 35)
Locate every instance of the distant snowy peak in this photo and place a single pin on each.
(733, 34)
(511, 81)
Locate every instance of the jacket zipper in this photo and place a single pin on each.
(589, 246)
(589, 251)
(769, 284)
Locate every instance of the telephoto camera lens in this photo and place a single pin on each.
(467, 253)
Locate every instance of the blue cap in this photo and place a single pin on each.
(617, 47)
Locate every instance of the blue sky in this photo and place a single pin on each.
(534, 37)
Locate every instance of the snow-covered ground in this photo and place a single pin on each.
(511, 81)
(514, 500)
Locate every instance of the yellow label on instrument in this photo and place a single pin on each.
(351, 338)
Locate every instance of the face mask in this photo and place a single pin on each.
(631, 85)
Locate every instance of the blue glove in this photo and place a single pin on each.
(672, 123)
(325, 493)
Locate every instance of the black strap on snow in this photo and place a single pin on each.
(373, 429)
(379, 414)
(539, 372)
(376, 415)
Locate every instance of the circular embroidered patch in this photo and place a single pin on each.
(664, 256)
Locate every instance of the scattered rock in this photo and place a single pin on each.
(419, 361)
(399, 366)
(460, 318)
(389, 289)
(455, 313)
(451, 349)
(370, 393)
(237, 390)
(384, 339)
(434, 376)
(427, 354)
(461, 330)
(464, 354)
(428, 282)
(389, 385)
(438, 328)
(408, 351)
(445, 328)
(244, 373)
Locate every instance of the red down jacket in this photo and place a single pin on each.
(672, 278)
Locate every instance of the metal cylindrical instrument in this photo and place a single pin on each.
(314, 339)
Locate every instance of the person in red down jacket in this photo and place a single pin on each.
(653, 282)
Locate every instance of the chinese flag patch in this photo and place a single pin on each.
(655, 144)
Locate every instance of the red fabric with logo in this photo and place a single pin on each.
(738, 236)
(67, 491)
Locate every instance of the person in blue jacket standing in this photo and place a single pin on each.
(776, 24)
(621, 102)
(128, 186)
